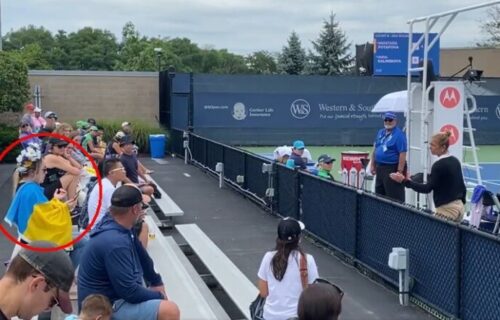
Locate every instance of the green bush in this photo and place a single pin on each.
(7, 136)
(141, 132)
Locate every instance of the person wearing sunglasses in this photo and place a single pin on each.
(389, 156)
(321, 300)
(35, 282)
(24, 131)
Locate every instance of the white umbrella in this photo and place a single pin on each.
(393, 102)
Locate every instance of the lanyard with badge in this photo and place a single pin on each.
(384, 139)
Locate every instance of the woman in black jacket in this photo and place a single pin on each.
(446, 180)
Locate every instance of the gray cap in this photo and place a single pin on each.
(55, 266)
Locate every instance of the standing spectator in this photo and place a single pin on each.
(446, 180)
(37, 120)
(280, 274)
(321, 300)
(29, 109)
(325, 165)
(36, 281)
(296, 159)
(389, 154)
(115, 264)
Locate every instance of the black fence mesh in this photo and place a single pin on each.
(234, 163)
(329, 212)
(215, 153)
(287, 191)
(256, 181)
(198, 149)
(176, 144)
(433, 245)
(480, 276)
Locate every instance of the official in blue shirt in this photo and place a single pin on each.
(389, 155)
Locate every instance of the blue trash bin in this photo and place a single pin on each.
(157, 144)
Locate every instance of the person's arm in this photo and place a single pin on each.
(401, 162)
(152, 278)
(263, 288)
(263, 275)
(402, 147)
(424, 187)
(53, 161)
(372, 163)
(91, 146)
(116, 147)
(120, 266)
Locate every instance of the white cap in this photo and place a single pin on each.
(37, 109)
(124, 124)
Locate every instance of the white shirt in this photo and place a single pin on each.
(281, 303)
(107, 190)
(279, 152)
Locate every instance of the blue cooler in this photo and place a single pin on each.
(157, 144)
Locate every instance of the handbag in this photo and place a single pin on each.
(257, 306)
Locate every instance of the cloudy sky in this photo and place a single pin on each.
(242, 26)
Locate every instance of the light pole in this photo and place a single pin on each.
(158, 56)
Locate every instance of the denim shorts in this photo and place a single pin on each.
(147, 310)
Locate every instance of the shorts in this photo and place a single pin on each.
(147, 310)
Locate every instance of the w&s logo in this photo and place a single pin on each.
(300, 109)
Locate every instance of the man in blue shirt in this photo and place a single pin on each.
(389, 155)
(296, 159)
(115, 264)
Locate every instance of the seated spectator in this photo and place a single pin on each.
(82, 127)
(35, 217)
(50, 122)
(27, 116)
(113, 172)
(321, 300)
(325, 165)
(64, 129)
(115, 264)
(90, 143)
(281, 273)
(75, 152)
(25, 130)
(131, 165)
(281, 154)
(296, 158)
(36, 281)
(127, 129)
(113, 149)
(37, 120)
(94, 307)
(62, 170)
(91, 121)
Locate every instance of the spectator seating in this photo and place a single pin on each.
(167, 208)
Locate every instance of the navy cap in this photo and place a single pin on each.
(390, 115)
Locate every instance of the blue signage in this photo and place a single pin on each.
(390, 53)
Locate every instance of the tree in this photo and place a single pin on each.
(492, 27)
(293, 57)
(18, 39)
(14, 85)
(332, 56)
(261, 62)
(34, 57)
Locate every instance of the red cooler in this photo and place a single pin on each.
(353, 172)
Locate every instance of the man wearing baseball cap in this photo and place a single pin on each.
(296, 158)
(115, 263)
(325, 165)
(388, 156)
(36, 281)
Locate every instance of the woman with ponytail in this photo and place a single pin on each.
(446, 180)
(285, 272)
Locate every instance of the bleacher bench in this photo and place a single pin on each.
(167, 207)
(237, 286)
(182, 283)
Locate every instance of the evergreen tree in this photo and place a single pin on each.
(293, 57)
(331, 56)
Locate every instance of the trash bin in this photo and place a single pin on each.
(157, 144)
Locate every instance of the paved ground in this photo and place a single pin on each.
(245, 232)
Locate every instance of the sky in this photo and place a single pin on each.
(244, 26)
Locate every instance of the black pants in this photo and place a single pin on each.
(385, 186)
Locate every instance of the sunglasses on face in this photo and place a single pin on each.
(55, 298)
(121, 169)
(388, 120)
(339, 290)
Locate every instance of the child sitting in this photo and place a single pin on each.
(94, 307)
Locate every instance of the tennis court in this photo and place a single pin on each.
(489, 159)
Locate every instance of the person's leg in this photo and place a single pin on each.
(379, 181)
(147, 189)
(148, 310)
(393, 189)
(168, 311)
(69, 183)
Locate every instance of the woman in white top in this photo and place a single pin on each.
(279, 273)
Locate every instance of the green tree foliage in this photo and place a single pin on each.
(262, 62)
(14, 86)
(331, 55)
(491, 27)
(292, 59)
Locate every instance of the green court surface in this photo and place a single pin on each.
(485, 153)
